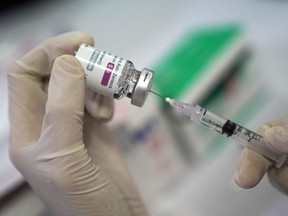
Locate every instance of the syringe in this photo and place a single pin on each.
(224, 126)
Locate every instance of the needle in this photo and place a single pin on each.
(157, 94)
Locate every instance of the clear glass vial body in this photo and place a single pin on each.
(113, 76)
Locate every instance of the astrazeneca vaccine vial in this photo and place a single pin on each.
(114, 76)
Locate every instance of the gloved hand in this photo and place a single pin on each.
(253, 166)
(66, 153)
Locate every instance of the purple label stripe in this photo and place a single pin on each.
(107, 74)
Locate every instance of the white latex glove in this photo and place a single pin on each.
(68, 158)
(253, 166)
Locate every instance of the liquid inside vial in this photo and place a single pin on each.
(113, 76)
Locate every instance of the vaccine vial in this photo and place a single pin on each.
(114, 76)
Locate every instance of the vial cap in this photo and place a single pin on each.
(142, 87)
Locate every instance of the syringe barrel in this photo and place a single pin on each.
(256, 142)
(243, 135)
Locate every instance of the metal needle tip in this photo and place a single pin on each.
(158, 95)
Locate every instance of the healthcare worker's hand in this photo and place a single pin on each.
(253, 166)
(66, 153)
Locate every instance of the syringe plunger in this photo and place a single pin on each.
(223, 126)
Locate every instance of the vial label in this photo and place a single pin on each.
(102, 70)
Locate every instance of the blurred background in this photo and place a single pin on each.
(228, 56)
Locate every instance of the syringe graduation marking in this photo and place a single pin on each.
(244, 136)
